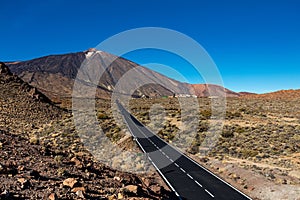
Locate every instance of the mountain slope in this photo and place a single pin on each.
(42, 156)
(204, 90)
(22, 105)
(54, 75)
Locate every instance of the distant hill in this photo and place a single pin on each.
(246, 93)
(204, 90)
(54, 75)
(281, 94)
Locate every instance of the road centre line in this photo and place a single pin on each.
(209, 193)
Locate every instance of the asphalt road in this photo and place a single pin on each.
(185, 177)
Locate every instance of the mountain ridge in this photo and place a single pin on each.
(55, 76)
(280, 94)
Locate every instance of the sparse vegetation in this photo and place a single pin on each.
(102, 116)
(259, 131)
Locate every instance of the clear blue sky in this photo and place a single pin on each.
(255, 44)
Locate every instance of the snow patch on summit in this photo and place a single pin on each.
(91, 51)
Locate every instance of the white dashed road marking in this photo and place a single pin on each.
(190, 176)
(182, 170)
(198, 183)
(167, 156)
(209, 193)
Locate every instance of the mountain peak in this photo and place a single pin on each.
(55, 75)
(91, 50)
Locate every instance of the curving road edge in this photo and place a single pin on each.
(185, 177)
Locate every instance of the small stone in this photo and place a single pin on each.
(76, 162)
(132, 188)
(79, 193)
(116, 178)
(70, 182)
(24, 182)
(55, 134)
(89, 164)
(156, 188)
(52, 196)
(5, 194)
(147, 182)
(77, 189)
(120, 196)
(34, 140)
(111, 197)
(21, 168)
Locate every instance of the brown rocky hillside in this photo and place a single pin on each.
(281, 94)
(21, 105)
(204, 90)
(43, 158)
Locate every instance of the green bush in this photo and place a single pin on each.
(249, 153)
(232, 115)
(206, 114)
(227, 133)
(102, 116)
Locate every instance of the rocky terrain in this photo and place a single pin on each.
(42, 156)
(258, 151)
(23, 107)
